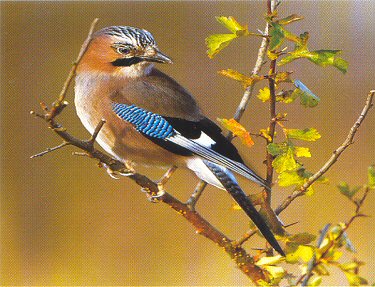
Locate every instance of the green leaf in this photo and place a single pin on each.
(276, 149)
(371, 177)
(302, 238)
(286, 97)
(232, 25)
(290, 19)
(302, 151)
(308, 134)
(277, 36)
(285, 161)
(322, 58)
(308, 98)
(345, 189)
(354, 279)
(328, 58)
(217, 42)
(314, 281)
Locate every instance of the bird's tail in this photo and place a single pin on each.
(230, 184)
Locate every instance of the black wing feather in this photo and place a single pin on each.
(193, 130)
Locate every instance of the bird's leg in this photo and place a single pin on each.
(192, 201)
(160, 183)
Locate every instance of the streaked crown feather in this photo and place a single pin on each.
(130, 35)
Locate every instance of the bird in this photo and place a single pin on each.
(151, 119)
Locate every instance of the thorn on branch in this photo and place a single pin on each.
(245, 237)
(96, 131)
(37, 115)
(48, 150)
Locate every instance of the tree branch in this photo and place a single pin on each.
(336, 154)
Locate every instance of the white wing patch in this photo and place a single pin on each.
(205, 140)
(197, 165)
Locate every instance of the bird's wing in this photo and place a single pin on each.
(157, 93)
(186, 138)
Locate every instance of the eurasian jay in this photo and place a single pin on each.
(151, 119)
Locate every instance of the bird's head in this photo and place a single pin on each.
(122, 50)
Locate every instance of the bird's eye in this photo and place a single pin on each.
(123, 50)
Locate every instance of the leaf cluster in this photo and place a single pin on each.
(287, 152)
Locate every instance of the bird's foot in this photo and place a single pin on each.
(115, 174)
(152, 196)
(156, 197)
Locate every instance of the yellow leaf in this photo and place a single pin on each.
(272, 55)
(283, 77)
(271, 260)
(264, 95)
(355, 280)
(302, 151)
(245, 80)
(310, 191)
(217, 42)
(285, 161)
(277, 272)
(265, 133)
(238, 130)
(314, 281)
(232, 25)
(304, 252)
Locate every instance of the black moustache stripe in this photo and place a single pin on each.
(127, 62)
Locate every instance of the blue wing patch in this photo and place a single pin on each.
(145, 122)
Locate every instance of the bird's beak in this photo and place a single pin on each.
(159, 57)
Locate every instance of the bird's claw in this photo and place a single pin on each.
(151, 196)
(116, 174)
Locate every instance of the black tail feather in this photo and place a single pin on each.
(243, 201)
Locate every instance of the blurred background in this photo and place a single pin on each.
(66, 222)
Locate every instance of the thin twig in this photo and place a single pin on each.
(336, 154)
(245, 237)
(50, 149)
(249, 90)
(75, 64)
